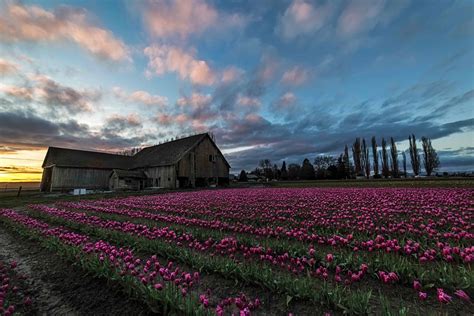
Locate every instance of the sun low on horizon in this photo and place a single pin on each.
(284, 80)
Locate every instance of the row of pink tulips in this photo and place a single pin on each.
(149, 272)
(407, 247)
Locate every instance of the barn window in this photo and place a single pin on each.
(169, 179)
(210, 157)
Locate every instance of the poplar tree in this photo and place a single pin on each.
(430, 157)
(375, 157)
(414, 155)
(394, 156)
(365, 159)
(356, 152)
(385, 168)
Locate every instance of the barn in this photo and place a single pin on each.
(187, 162)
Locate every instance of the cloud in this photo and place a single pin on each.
(44, 90)
(246, 101)
(285, 101)
(165, 58)
(32, 23)
(362, 16)
(303, 18)
(21, 93)
(196, 101)
(118, 124)
(53, 93)
(178, 18)
(27, 130)
(231, 74)
(295, 76)
(140, 96)
(20, 170)
(7, 68)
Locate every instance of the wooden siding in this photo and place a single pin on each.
(204, 167)
(72, 178)
(116, 183)
(196, 163)
(164, 176)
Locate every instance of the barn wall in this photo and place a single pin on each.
(71, 178)
(166, 176)
(206, 168)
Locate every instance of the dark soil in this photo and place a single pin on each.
(59, 288)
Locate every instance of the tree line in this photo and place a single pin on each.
(366, 161)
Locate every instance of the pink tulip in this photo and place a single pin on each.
(443, 297)
(422, 295)
(417, 285)
(462, 295)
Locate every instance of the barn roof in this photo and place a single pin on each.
(166, 153)
(160, 155)
(65, 157)
(129, 174)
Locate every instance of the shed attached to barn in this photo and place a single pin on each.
(127, 180)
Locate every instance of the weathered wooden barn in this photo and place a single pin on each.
(186, 162)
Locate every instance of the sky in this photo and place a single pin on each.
(283, 80)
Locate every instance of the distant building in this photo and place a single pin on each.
(186, 162)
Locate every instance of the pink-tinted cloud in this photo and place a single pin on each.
(21, 93)
(362, 16)
(120, 122)
(303, 18)
(231, 74)
(196, 101)
(32, 23)
(53, 93)
(246, 101)
(286, 101)
(173, 19)
(179, 17)
(295, 76)
(359, 16)
(140, 96)
(44, 90)
(7, 68)
(165, 58)
(164, 119)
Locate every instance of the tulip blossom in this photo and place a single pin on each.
(462, 295)
(422, 295)
(443, 297)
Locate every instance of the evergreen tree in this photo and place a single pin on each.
(243, 176)
(283, 172)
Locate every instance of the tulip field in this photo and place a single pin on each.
(266, 251)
